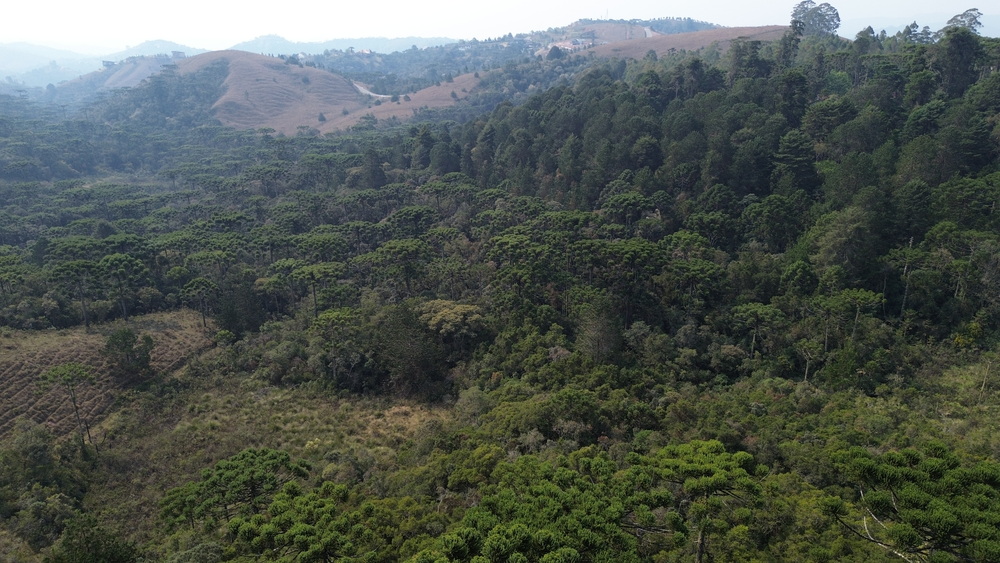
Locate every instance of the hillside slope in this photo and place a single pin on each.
(638, 47)
(267, 92)
(24, 355)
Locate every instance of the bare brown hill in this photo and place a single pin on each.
(24, 355)
(262, 91)
(723, 36)
(431, 97)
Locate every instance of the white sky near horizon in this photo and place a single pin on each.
(106, 26)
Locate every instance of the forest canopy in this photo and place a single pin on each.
(718, 305)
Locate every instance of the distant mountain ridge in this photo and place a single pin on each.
(23, 57)
(277, 45)
(151, 48)
(262, 91)
(35, 66)
(24, 65)
(291, 96)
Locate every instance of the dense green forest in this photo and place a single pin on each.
(731, 305)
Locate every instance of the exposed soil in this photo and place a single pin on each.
(264, 91)
(25, 355)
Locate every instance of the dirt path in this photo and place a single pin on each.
(368, 92)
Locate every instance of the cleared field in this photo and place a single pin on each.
(24, 355)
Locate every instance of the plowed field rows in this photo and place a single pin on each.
(24, 355)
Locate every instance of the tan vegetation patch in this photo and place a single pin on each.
(13, 548)
(430, 97)
(661, 44)
(130, 73)
(159, 443)
(125, 74)
(267, 92)
(25, 355)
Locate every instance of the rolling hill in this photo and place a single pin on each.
(281, 93)
(267, 92)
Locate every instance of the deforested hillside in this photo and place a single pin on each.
(261, 91)
(27, 355)
(335, 91)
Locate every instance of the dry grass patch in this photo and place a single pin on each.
(608, 32)
(265, 92)
(158, 442)
(430, 97)
(24, 355)
(662, 44)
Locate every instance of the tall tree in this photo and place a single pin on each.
(200, 291)
(128, 353)
(81, 277)
(125, 274)
(709, 485)
(957, 57)
(69, 376)
(968, 19)
(822, 19)
(239, 485)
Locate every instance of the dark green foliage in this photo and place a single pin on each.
(816, 19)
(578, 508)
(241, 485)
(124, 274)
(795, 168)
(41, 484)
(128, 353)
(587, 506)
(330, 524)
(85, 541)
(405, 351)
(958, 59)
(927, 503)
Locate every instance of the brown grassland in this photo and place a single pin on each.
(199, 417)
(266, 92)
(25, 355)
(161, 432)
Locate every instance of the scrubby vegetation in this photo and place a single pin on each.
(707, 306)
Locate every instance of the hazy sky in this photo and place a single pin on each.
(104, 26)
